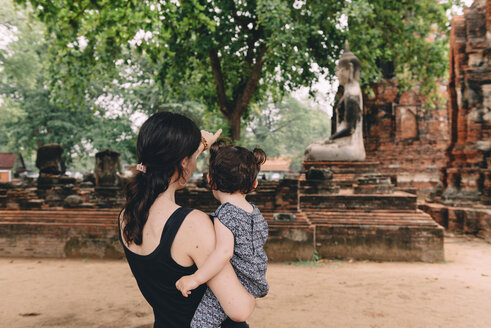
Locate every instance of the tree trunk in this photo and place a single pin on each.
(234, 127)
(234, 109)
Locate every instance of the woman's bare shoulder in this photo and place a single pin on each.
(198, 235)
(198, 222)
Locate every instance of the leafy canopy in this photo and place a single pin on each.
(29, 117)
(224, 54)
(228, 54)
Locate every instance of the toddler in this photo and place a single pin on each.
(241, 230)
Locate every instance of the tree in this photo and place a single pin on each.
(228, 54)
(224, 54)
(28, 115)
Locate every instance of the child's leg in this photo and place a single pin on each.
(209, 313)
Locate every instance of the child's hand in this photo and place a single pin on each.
(186, 284)
(210, 137)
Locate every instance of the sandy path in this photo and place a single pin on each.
(78, 293)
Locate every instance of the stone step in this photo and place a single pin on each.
(107, 225)
(398, 201)
(382, 219)
(69, 217)
(301, 219)
(375, 235)
(110, 218)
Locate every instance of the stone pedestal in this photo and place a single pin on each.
(362, 217)
(108, 197)
(346, 175)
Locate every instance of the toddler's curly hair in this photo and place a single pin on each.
(234, 168)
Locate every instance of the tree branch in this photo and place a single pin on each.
(284, 125)
(223, 102)
(251, 84)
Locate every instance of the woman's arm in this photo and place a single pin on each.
(237, 303)
(224, 249)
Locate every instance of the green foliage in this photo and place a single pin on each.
(201, 58)
(285, 128)
(30, 117)
(229, 54)
(223, 54)
(410, 34)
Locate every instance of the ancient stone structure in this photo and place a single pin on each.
(107, 179)
(467, 175)
(465, 197)
(300, 222)
(107, 167)
(407, 139)
(358, 214)
(355, 210)
(53, 186)
(346, 142)
(49, 160)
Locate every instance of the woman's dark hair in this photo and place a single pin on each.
(164, 140)
(234, 168)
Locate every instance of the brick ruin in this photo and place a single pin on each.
(303, 217)
(441, 154)
(467, 173)
(407, 139)
(348, 213)
(464, 203)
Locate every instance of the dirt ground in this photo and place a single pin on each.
(92, 293)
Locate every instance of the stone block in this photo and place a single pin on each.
(309, 187)
(379, 236)
(314, 173)
(399, 201)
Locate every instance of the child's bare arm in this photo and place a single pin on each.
(224, 249)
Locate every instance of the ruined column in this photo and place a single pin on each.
(466, 176)
(107, 178)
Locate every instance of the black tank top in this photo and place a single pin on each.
(156, 275)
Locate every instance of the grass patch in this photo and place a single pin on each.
(304, 263)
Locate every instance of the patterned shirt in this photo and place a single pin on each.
(250, 232)
(249, 261)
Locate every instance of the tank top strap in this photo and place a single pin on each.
(172, 226)
(119, 226)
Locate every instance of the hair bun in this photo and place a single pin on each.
(260, 156)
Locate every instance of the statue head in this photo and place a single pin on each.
(348, 68)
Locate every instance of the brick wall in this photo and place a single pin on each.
(408, 140)
(59, 233)
(466, 175)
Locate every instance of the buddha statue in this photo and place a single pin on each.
(346, 144)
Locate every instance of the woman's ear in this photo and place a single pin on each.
(255, 184)
(185, 162)
(210, 182)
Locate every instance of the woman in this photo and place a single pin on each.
(163, 241)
